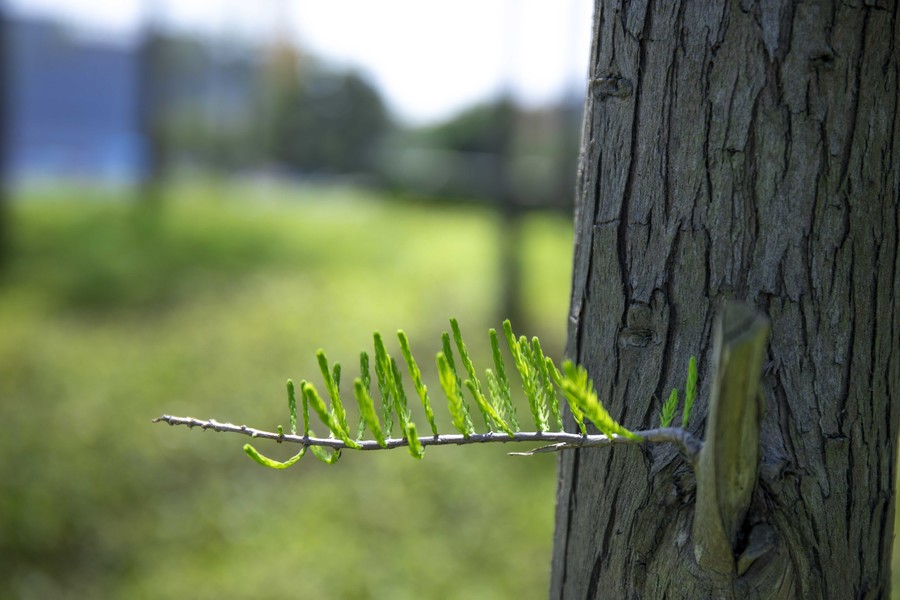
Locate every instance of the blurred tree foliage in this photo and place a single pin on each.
(277, 108)
(484, 128)
(496, 152)
(239, 108)
(319, 120)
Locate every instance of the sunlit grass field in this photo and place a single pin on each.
(111, 315)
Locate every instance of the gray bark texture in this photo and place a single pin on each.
(751, 151)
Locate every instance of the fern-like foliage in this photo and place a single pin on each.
(539, 376)
(541, 381)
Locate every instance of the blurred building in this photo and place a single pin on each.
(96, 107)
(79, 107)
(73, 104)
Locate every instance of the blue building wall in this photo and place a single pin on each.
(73, 104)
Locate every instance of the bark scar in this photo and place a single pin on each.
(610, 85)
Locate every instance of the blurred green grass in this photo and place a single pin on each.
(111, 314)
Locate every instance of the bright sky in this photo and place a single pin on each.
(428, 58)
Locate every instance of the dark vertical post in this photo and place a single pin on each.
(510, 219)
(148, 111)
(5, 121)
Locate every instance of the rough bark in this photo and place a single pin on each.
(746, 150)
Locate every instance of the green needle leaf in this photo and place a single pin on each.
(336, 376)
(415, 446)
(366, 382)
(558, 380)
(549, 394)
(497, 402)
(455, 402)
(495, 422)
(401, 407)
(690, 392)
(511, 340)
(470, 369)
(292, 406)
(501, 395)
(524, 359)
(385, 387)
(305, 409)
(364, 370)
(668, 410)
(367, 411)
(327, 456)
(580, 392)
(448, 353)
(416, 375)
(312, 397)
(271, 463)
(531, 384)
(332, 382)
(330, 421)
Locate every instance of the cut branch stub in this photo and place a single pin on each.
(728, 464)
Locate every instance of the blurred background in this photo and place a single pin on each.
(194, 197)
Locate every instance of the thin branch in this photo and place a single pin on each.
(560, 440)
(689, 445)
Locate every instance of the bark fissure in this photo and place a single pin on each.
(571, 510)
(854, 104)
(601, 555)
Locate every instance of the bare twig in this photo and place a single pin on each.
(559, 440)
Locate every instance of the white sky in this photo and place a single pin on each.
(428, 58)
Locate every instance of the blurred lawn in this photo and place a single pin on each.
(110, 316)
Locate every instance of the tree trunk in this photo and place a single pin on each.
(739, 150)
